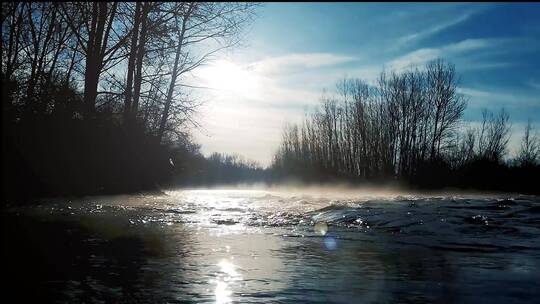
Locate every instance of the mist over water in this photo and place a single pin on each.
(281, 244)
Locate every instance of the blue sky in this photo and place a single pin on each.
(293, 51)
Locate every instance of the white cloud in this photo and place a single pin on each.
(474, 93)
(492, 98)
(298, 62)
(415, 58)
(251, 124)
(422, 56)
(253, 131)
(434, 29)
(470, 45)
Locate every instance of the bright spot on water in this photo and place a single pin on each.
(330, 243)
(321, 228)
(228, 274)
(222, 292)
(228, 268)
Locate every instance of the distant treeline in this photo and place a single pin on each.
(220, 169)
(94, 97)
(407, 127)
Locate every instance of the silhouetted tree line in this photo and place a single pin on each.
(93, 93)
(220, 169)
(407, 126)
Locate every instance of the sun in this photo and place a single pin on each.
(227, 77)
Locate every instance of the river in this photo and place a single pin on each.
(275, 246)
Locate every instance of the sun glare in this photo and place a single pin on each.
(227, 77)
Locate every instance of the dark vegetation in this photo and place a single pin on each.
(94, 98)
(407, 127)
(220, 169)
(56, 154)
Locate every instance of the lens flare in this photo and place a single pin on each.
(321, 228)
(330, 243)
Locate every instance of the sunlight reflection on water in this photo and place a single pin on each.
(227, 276)
(321, 228)
(229, 246)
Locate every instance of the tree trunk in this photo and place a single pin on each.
(140, 57)
(174, 75)
(94, 57)
(131, 62)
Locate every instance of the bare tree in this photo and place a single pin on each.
(374, 131)
(13, 15)
(493, 136)
(529, 152)
(447, 105)
(99, 39)
(217, 26)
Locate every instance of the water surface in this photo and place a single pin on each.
(262, 246)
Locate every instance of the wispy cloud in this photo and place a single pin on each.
(474, 92)
(484, 98)
(436, 28)
(471, 45)
(485, 65)
(534, 84)
(298, 62)
(421, 56)
(414, 58)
